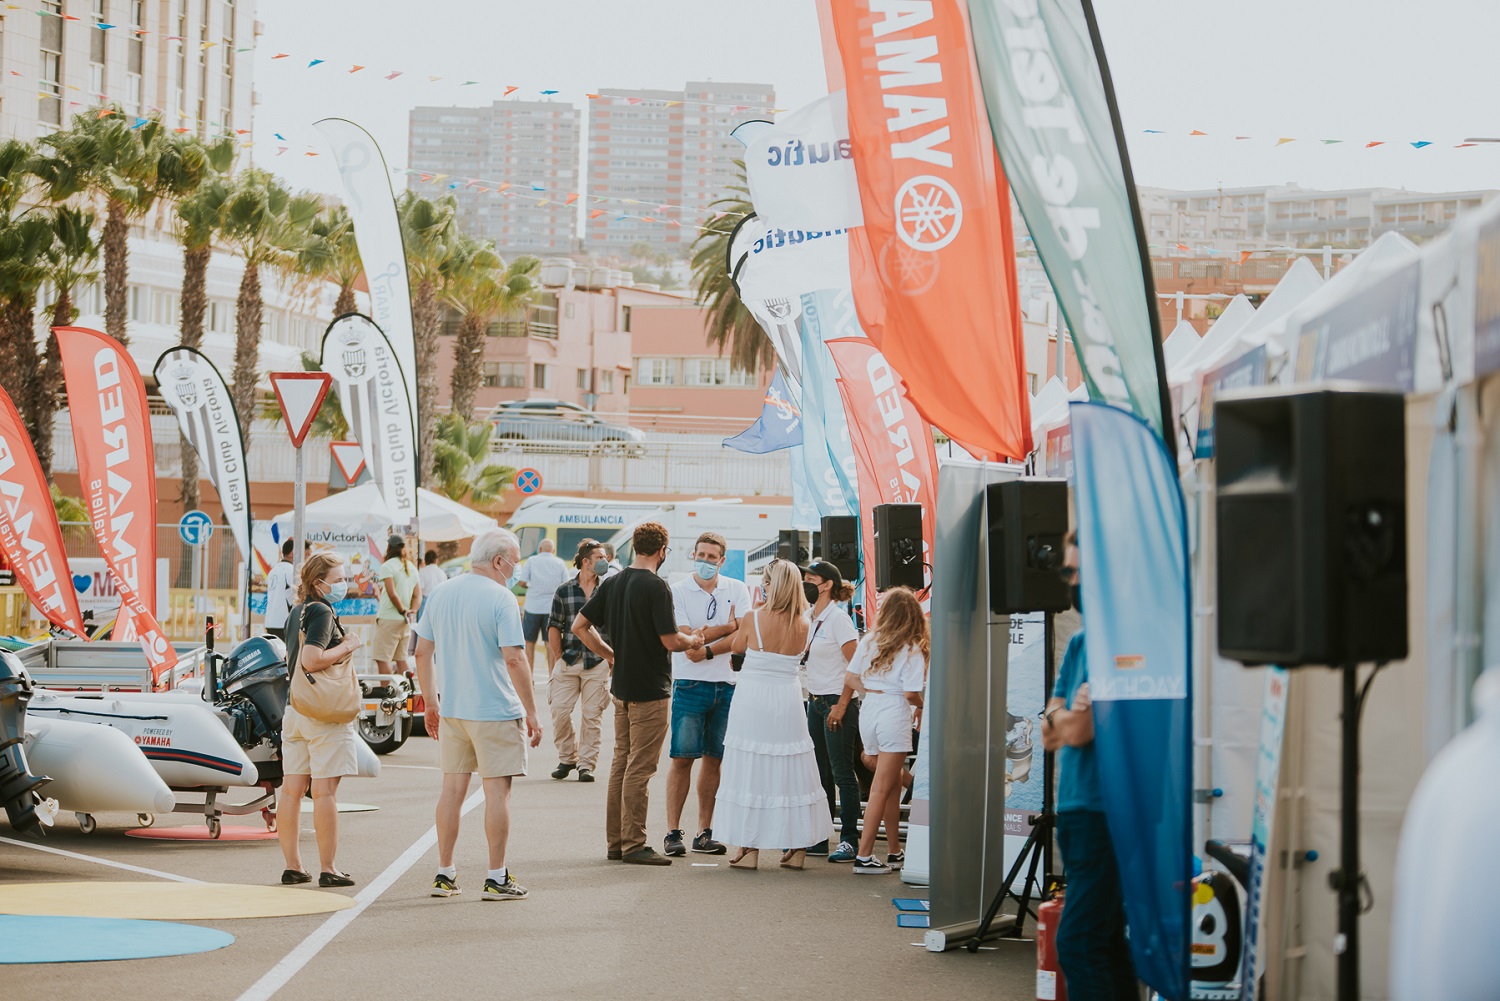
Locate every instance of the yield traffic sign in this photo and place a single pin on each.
(350, 458)
(300, 395)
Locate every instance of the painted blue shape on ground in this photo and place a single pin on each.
(910, 904)
(28, 938)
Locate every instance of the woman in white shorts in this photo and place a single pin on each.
(313, 753)
(890, 667)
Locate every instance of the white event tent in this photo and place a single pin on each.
(361, 509)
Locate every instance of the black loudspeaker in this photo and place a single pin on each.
(898, 546)
(816, 547)
(1028, 522)
(1311, 527)
(841, 544)
(794, 546)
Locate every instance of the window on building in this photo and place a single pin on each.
(140, 301)
(583, 379)
(135, 58)
(606, 381)
(504, 375)
(539, 376)
(49, 111)
(98, 49)
(625, 319)
(655, 371)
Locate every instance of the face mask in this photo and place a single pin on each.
(1077, 594)
(601, 567)
(811, 590)
(337, 592)
(706, 570)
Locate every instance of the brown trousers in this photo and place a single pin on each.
(569, 683)
(640, 729)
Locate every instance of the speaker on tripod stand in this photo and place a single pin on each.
(1312, 562)
(1027, 523)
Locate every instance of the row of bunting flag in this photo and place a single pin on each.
(1465, 143)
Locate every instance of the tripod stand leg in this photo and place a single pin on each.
(1032, 850)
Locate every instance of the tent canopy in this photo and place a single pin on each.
(1184, 338)
(362, 508)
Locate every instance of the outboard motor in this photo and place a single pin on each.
(255, 686)
(17, 785)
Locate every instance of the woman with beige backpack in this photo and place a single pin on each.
(317, 734)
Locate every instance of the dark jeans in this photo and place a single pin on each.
(837, 751)
(1091, 944)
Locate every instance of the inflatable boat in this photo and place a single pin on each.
(93, 769)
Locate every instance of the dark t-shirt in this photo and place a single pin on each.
(321, 625)
(635, 606)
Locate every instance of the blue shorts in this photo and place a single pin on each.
(533, 626)
(700, 715)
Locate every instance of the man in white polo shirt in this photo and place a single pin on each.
(710, 604)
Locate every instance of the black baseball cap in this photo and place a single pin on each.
(396, 540)
(826, 570)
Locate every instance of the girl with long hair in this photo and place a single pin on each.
(770, 795)
(890, 667)
(315, 754)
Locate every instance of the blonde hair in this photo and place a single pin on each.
(314, 569)
(900, 624)
(782, 583)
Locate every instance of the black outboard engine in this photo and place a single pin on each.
(255, 685)
(17, 785)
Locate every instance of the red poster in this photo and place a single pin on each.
(893, 447)
(933, 267)
(112, 436)
(30, 537)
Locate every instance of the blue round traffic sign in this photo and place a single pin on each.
(195, 527)
(528, 481)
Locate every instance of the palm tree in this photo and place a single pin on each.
(264, 222)
(428, 230)
(730, 325)
(127, 169)
(483, 288)
(23, 241)
(199, 217)
(71, 260)
(331, 254)
(462, 474)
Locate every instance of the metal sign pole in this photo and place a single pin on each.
(299, 513)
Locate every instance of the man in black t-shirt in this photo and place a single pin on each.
(635, 608)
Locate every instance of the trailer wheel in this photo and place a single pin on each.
(145, 819)
(385, 739)
(215, 828)
(86, 823)
(269, 816)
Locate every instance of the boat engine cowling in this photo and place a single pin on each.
(17, 784)
(255, 686)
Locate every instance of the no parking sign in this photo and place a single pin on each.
(529, 481)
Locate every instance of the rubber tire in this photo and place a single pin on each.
(145, 819)
(398, 736)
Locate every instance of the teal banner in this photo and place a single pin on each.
(1047, 89)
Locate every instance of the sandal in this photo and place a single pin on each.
(794, 858)
(748, 858)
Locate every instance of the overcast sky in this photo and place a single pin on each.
(1355, 70)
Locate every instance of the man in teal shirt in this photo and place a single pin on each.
(1092, 947)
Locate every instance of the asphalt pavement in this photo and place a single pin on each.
(590, 928)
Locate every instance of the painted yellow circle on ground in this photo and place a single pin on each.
(166, 901)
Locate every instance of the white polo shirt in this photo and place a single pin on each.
(826, 667)
(691, 603)
(907, 672)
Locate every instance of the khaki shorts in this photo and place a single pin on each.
(322, 750)
(492, 748)
(392, 637)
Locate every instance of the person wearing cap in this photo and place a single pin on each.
(400, 597)
(832, 709)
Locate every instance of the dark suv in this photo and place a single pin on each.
(553, 425)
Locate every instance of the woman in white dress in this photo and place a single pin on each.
(770, 795)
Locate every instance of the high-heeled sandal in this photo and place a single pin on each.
(748, 858)
(794, 858)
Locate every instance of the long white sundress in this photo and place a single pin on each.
(770, 795)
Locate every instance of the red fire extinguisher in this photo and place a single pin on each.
(1050, 985)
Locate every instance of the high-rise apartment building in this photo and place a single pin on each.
(182, 64)
(512, 167)
(671, 152)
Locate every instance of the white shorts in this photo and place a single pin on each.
(885, 722)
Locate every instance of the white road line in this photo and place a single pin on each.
(279, 975)
(100, 861)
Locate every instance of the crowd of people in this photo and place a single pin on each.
(773, 700)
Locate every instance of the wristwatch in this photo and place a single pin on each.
(708, 652)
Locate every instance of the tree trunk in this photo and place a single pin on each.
(116, 272)
(345, 302)
(23, 367)
(468, 362)
(49, 384)
(194, 305)
(247, 321)
(427, 318)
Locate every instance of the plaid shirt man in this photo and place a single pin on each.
(566, 605)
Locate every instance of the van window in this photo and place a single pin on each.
(530, 537)
(569, 538)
